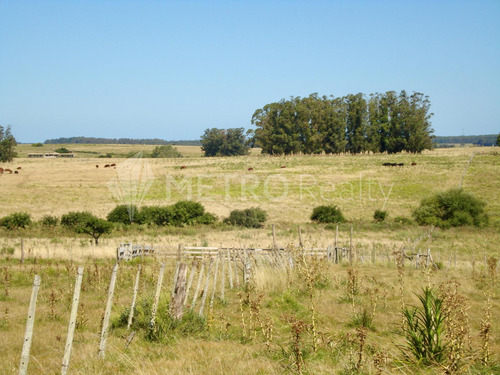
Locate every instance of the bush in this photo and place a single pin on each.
(62, 150)
(16, 220)
(451, 208)
(37, 144)
(165, 151)
(327, 214)
(178, 214)
(250, 218)
(123, 213)
(379, 216)
(49, 221)
(403, 220)
(85, 222)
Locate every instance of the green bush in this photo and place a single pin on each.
(37, 144)
(123, 213)
(86, 223)
(403, 220)
(62, 150)
(250, 218)
(165, 151)
(49, 221)
(327, 214)
(178, 214)
(16, 220)
(451, 208)
(379, 216)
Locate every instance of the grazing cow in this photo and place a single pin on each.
(250, 169)
(97, 165)
(1, 170)
(283, 166)
(387, 164)
(106, 166)
(183, 167)
(7, 171)
(113, 165)
(401, 164)
(413, 163)
(16, 172)
(19, 168)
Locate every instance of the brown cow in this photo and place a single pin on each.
(113, 165)
(19, 168)
(283, 166)
(250, 169)
(106, 166)
(7, 171)
(183, 167)
(413, 163)
(16, 172)
(1, 170)
(97, 165)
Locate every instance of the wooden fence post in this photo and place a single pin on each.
(214, 287)
(351, 255)
(275, 246)
(72, 321)
(301, 244)
(198, 285)
(205, 289)
(190, 282)
(28, 334)
(157, 296)
(179, 292)
(230, 268)
(223, 275)
(107, 313)
(132, 307)
(22, 251)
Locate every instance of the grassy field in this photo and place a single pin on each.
(287, 188)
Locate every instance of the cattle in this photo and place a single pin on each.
(16, 172)
(393, 164)
(7, 171)
(97, 165)
(250, 169)
(401, 164)
(183, 167)
(1, 170)
(283, 166)
(413, 163)
(113, 165)
(19, 168)
(106, 166)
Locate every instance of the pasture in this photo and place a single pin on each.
(233, 336)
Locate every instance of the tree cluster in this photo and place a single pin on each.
(480, 140)
(355, 123)
(7, 145)
(124, 141)
(224, 142)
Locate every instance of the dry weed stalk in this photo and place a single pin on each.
(53, 299)
(242, 314)
(6, 280)
(485, 328)
(400, 265)
(455, 308)
(380, 359)
(297, 328)
(361, 336)
(352, 284)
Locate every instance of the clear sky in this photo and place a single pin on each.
(171, 69)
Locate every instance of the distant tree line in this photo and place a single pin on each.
(355, 123)
(131, 141)
(480, 140)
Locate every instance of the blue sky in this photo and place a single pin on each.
(171, 69)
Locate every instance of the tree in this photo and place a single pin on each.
(86, 223)
(7, 145)
(221, 142)
(498, 140)
(165, 151)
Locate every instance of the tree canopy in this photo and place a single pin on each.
(7, 145)
(224, 142)
(354, 123)
(165, 151)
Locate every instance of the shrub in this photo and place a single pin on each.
(424, 330)
(49, 221)
(37, 144)
(402, 220)
(451, 208)
(327, 214)
(16, 220)
(379, 216)
(165, 151)
(62, 150)
(178, 214)
(251, 217)
(123, 213)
